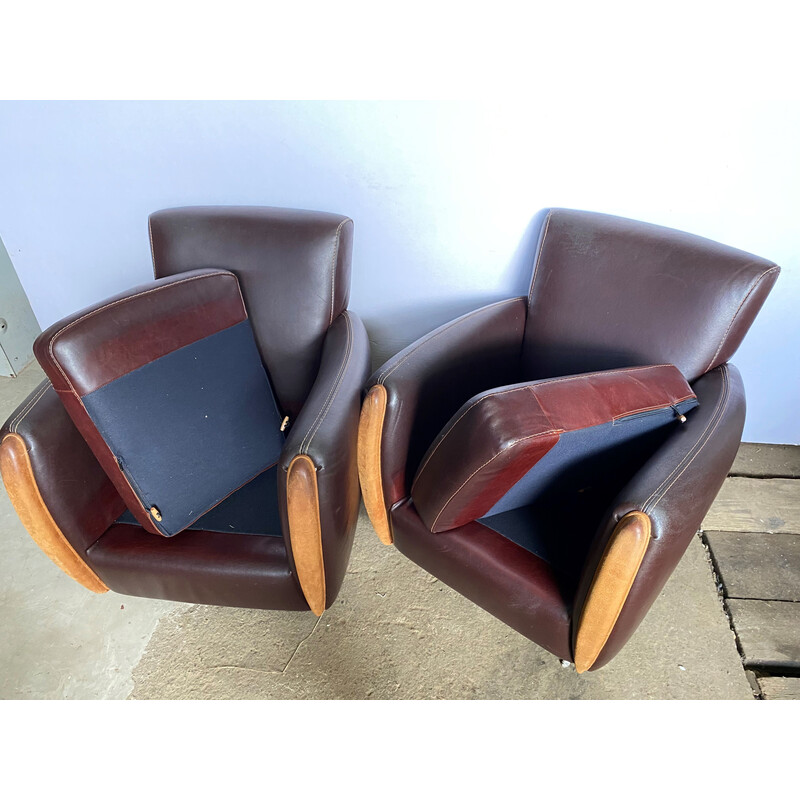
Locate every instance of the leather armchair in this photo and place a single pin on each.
(293, 268)
(605, 293)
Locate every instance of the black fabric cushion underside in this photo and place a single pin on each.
(191, 427)
(557, 507)
(252, 510)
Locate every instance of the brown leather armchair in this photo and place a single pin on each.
(293, 268)
(605, 293)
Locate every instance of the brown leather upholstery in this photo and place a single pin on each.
(221, 569)
(609, 292)
(498, 435)
(78, 495)
(606, 293)
(675, 488)
(429, 381)
(327, 431)
(293, 267)
(508, 581)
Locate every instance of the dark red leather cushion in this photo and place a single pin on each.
(476, 465)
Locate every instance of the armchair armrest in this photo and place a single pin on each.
(416, 392)
(653, 520)
(57, 487)
(318, 491)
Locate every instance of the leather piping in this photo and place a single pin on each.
(658, 494)
(334, 263)
(305, 530)
(334, 390)
(476, 403)
(370, 441)
(23, 491)
(125, 300)
(540, 249)
(502, 452)
(446, 327)
(611, 586)
(750, 291)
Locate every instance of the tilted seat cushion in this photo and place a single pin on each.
(505, 446)
(166, 385)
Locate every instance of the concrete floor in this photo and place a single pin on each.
(394, 632)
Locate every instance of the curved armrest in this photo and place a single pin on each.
(318, 479)
(664, 505)
(57, 487)
(416, 392)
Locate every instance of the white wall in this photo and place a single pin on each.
(441, 195)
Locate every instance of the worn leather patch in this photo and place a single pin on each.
(370, 439)
(305, 531)
(610, 586)
(23, 491)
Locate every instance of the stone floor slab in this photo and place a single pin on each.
(395, 632)
(766, 505)
(767, 461)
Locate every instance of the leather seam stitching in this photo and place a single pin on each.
(152, 248)
(452, 428)
(532, 389)
(539, 256)
(14, 425)
(333, 266)
(705, 437)
(446, 327)
(737, 312)
(496, 455)
(111, 305)
(304, 445)
(652, 408)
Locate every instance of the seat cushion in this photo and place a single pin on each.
(167, 387)
(507, 446)
(252, 510)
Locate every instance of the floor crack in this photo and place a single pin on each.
(720, 586)
(300, 644)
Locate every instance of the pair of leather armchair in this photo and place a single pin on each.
(605, 293)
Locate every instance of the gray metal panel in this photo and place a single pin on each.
(18, 325)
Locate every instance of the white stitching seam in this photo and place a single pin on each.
(326, 406)
(532, 388)
(446, 327)
(152, 249)
(333, 264)
(736, 314)
(539, 256)
(465, 412)
(118, 302)
(719, 412)
(32, 401)
(496, 455)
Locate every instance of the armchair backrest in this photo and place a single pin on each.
(609, 292)
(293, 268)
